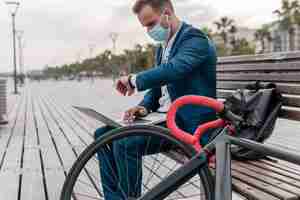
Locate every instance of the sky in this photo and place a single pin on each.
(62, 31)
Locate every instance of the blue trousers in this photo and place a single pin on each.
(120, 163)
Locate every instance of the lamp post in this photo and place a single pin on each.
(21, 60)
(14, 5)
(114, 37)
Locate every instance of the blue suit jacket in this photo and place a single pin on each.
(191, 70)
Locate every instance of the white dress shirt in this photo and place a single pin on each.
(165, 100)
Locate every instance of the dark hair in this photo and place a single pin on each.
(157, 5)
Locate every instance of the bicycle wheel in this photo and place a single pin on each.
(85, 181)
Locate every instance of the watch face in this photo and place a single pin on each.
(131, 80)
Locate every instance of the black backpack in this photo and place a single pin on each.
(259, 106)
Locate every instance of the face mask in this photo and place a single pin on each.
(159, 33)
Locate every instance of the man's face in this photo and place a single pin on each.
(148, 17)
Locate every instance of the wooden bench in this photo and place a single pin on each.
(265, 179)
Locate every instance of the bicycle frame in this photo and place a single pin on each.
(223, 189)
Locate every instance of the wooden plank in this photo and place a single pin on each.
(75, 134)
(272, 174)
(251, 192)
(31, 137)
(275, 77)
(284, 165)
(14, 148)
(268, 188)
(261, 67)
(54, 172)
(289, 113)
(291, 101)
(9, 178)
(266, 177)
(64, 143)
(12, 158)
(32, 181)
(282, 171)
(271, 57)
(9, 185)
(6, 131)
(248, 190)
(32, 186)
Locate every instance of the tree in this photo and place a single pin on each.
(242, 47)
(221, 50)
(226, 28)
(289, 15)
(262, 35)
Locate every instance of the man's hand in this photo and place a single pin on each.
(124, 87)
(137, 111)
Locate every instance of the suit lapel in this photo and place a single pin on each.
(158, 55)
(175, 45)
(178, 39)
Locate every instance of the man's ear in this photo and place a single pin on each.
(167, 12)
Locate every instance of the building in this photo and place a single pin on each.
(282, 40)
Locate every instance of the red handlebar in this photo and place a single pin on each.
(195, 100)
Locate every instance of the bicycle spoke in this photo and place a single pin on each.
(153, 165)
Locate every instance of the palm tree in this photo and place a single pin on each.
(225, 28)
(262, 35)
(289, 15)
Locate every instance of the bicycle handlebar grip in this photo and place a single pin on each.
(194, 100)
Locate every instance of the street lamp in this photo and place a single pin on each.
(114, 37)
(21, 59)
(13, 7)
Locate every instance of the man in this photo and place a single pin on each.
(185, 65)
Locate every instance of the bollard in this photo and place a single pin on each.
(3, 101)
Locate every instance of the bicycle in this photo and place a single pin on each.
(196, 157)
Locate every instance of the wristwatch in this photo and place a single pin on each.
(130, 81)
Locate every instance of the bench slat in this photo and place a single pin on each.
(251, 192)
(274, 175)
(271, 57)
(275, 77)
(271, 168)
(291, 114)
(266, 177)
(261, 67)
(293, 168)
(264, 186)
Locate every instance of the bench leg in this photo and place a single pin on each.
(223, 170)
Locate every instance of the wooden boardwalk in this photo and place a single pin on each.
(45, 135)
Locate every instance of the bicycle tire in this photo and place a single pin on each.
(204, 173)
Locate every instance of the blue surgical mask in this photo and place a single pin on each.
(159, 33)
